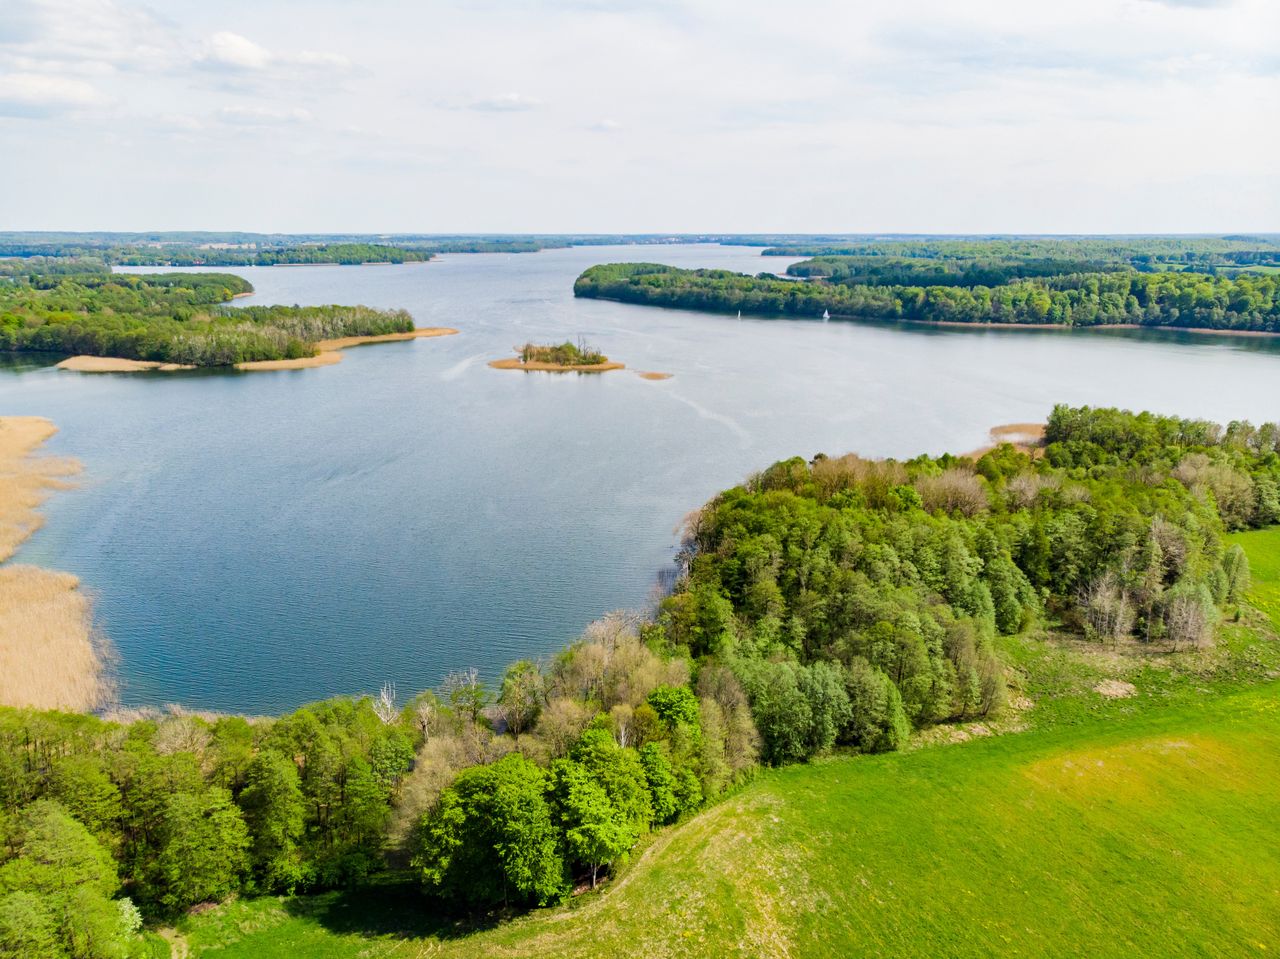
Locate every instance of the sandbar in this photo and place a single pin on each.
(1027, 437)
(330, 353)
(649, 375)
(116, 364)
(537, 366)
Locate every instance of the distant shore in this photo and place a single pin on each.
(330, 353)
(49, 655)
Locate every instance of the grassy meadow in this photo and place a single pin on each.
(1142, 819)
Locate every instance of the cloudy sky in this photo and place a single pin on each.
(641, 115)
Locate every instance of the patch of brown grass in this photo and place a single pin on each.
(26, 480)
(49, 656)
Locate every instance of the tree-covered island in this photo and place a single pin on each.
(566, 357)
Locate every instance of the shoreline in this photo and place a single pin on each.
(538, 366)
(954, 324)
(50, 656)
(330, 353)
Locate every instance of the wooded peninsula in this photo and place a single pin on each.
(177, 319)
(1033, 283)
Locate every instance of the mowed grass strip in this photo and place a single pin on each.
(1156, 835)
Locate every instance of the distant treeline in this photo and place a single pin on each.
(895, 271)
(832, 602)
(348, 254)
(171, 318)
(1185, 300)
(1138, 253)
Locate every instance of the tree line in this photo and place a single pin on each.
(348, 254)
(1137, 252)
(833, 603)
(1179, 300)
(171, 318)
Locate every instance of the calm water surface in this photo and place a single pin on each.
(256, 541)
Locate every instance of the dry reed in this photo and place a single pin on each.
(49, 655)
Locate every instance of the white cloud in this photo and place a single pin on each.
(878, 115)
(230, 51)
(37, 95)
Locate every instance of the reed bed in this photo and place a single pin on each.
(49, 655)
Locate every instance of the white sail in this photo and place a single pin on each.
(826, 314)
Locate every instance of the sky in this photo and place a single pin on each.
(804, 116)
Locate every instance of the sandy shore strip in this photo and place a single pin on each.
(349, 341)
(1027, 437)
(327, 358)
(330, 353)
(49, 655)
(115, 364)
(331, 350)
(649, 375)
(538, 366)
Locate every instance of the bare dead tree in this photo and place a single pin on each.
(384, 705)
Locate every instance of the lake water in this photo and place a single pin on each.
(256, 541)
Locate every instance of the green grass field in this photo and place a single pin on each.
(1140, 825)
(1263, 549)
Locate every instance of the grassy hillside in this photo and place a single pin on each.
(1147, 823)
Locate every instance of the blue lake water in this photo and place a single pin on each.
(255, 541)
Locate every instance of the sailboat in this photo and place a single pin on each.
(739, 314)
(826, 315)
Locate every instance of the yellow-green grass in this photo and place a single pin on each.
(1263, 549)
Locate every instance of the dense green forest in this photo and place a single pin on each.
(1186, 300)
(839, 602)
(170, 318)
(1205, 254)
(342, 253)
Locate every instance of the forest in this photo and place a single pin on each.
(837, 603)
(347, 254)
(1205, 254)
(1246, 302)
(171, 318)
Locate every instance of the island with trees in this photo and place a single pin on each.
(834, 604)
(167, 321)
(566, 357)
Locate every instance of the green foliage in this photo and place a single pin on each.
(275, 812)
(490, 838)
(563, 354)
(56, 885)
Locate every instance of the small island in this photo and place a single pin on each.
(565, 357)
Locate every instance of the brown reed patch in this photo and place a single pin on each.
(49, 656)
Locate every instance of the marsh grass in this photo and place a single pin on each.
(50, 657)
